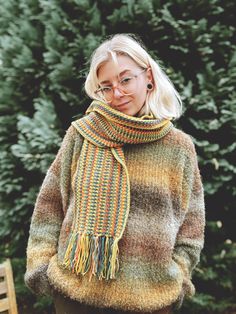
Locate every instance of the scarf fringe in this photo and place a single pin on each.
(96, 255)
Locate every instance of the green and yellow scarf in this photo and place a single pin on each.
(102, 188)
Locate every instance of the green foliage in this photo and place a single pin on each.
(44, 52)
(38, 137)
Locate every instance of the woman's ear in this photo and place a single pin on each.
(149, 75)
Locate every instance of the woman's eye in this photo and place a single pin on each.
(106, 89)
(126, 80)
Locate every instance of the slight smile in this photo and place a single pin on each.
(124, 104)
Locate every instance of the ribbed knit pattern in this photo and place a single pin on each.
(102, 187)
(162, 240)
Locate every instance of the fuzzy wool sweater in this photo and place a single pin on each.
(162, 240)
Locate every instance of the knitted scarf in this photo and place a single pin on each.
(102, 188)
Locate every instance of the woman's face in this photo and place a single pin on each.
(110, 74)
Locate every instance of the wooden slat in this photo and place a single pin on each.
(4, 304)
(10, 288)
(3, 287)
(2, 271)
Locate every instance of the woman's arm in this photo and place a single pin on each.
(48, 216)
(190, 238)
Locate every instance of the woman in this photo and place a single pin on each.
(118, 224)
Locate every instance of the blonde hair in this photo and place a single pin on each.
(163, 101)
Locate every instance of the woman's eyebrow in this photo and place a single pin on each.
(120, 74)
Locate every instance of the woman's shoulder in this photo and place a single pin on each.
(180, 139)
(72, 133)
(71, 139)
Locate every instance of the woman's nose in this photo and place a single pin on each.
(117, 92)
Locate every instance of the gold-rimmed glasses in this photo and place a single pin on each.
(127, 86)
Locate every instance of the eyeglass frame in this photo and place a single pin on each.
(112, 87)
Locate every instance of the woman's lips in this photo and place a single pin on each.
(123, 105)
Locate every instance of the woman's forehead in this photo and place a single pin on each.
(114, 75)
(110, 69)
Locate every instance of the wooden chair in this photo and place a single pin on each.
(7, 289)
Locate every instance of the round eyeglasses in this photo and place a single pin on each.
(127, 86)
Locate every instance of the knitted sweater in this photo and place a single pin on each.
(162, 240)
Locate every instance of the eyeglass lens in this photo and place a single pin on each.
(126, 86)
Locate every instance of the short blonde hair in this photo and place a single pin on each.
(163, 101)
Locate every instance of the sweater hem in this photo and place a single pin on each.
(119, 294)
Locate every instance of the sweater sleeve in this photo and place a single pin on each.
(47, 217)
(190, 238)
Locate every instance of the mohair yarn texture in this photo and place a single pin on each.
(160, 243)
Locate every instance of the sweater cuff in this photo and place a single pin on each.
(37, 281)
(188, 289)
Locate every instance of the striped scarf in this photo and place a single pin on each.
(102, 188)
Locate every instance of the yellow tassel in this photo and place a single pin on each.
(114, 258)
(68, 251)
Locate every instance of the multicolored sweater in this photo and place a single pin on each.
(162, 241)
